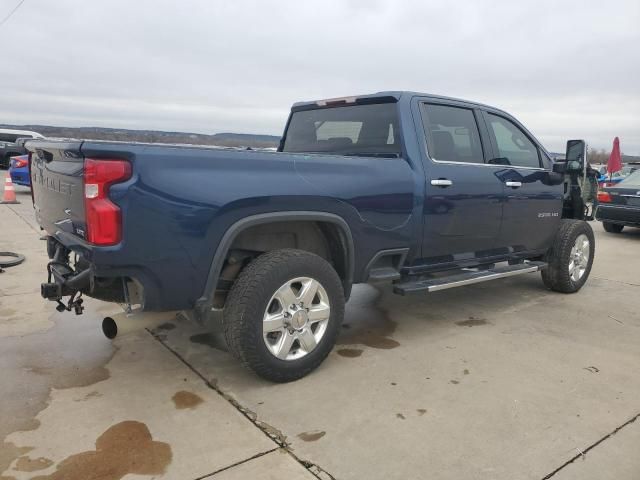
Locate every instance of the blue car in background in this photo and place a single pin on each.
(19, 170)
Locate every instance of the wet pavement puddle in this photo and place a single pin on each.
(27, 464)
(73, 353)
(311, 436)
(125, 448)
(186, 400)
(349, 352)
(365, 323)
(473, 322)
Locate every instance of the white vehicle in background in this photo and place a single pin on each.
(9, 146)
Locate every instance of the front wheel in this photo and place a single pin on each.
(612, 227)
(283, 314)
(570, 257)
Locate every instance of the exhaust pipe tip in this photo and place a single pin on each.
(127, 324)
(109, 328)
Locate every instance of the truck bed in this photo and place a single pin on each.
(180, 200)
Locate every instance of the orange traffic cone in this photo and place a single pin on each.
(9, 192)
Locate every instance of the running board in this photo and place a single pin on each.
(466, 278)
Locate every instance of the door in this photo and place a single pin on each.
(532, 207)
(462, 205)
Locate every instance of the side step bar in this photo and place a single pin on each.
(466, 278)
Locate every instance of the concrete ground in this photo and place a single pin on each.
(500, 380)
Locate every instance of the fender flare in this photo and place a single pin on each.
(205, 302)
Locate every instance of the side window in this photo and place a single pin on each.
(514, 147)
(452, 134)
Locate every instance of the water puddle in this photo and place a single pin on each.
(365, 323)
(73, 353)
(210, 340)
(123, 449)
(311, 436)
(349, 352)
(27, 464)
(473, 322)
(184, 399)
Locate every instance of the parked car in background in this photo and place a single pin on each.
(619, 205)
(11, 144)
(605, 180)
(19, 170)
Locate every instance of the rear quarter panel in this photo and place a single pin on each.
(180, 202)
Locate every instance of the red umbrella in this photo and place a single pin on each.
(615, 160)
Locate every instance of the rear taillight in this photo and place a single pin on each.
(19, 163)
(604, 197)
(104, 221)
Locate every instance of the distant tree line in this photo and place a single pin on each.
(601, 156)
(596, 156)
(154, 136)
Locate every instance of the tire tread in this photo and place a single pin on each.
(556, 276)
(243, 306)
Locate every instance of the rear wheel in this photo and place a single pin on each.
(612, 227)
(283, 314)
(570, 257)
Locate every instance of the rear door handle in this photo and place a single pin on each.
(441, 182)
(513, 184)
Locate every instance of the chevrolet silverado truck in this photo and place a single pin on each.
(423, 191)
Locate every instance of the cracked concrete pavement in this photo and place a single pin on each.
(499, 380)
(77, 406)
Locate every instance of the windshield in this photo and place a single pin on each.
(632, 181)
(353, 130)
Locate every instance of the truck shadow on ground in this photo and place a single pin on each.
(374, 319)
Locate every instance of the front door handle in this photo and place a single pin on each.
(513, 184)
(441, 182)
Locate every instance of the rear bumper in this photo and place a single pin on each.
(619, 214)
(166, 281)
(65, 279)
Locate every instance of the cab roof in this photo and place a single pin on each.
(385, 96)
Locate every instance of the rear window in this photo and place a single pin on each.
(354, 130)
(632, 181)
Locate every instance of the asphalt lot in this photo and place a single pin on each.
(501, 380)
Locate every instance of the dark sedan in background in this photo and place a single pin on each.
(619, 205)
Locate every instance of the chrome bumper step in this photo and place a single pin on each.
(466, 278)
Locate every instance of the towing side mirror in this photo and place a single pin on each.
(576, 156)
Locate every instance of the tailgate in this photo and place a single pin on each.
(58, 184)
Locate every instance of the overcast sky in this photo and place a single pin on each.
(565, 69)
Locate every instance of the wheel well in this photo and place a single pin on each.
(324, 239)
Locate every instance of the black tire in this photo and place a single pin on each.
(16, 259)
(249, 298)
(612, 227)
(556, 276)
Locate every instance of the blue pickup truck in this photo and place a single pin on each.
(423, 191)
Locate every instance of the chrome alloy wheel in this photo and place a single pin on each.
(579, 259)
(296, 318)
